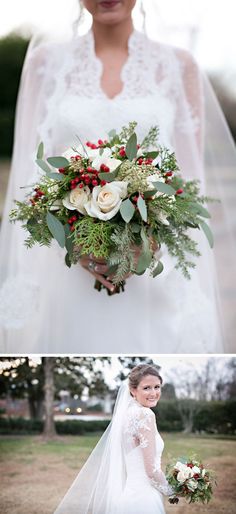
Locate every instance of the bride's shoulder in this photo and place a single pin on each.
(42, 51)
(182, 56)
(139, 412)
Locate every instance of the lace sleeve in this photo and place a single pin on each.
(147, 437)
(192, 85)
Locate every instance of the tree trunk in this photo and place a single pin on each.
(49, 427)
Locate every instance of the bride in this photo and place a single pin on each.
(85, 87)
(123, 473)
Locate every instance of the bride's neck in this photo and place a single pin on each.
(113, 36)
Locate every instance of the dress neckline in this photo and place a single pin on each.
(133, 47)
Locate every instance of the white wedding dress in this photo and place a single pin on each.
(46, 307)
(123, 474)
(143, 447)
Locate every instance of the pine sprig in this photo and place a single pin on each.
(123, 255)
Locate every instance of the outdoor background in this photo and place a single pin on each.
(53, 411)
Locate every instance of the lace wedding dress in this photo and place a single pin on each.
(143, 448)
(46, 307)
(123, 474)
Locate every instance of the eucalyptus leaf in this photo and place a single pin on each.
(127, 210)
(131, 147)
(58, 162)
(109, 176)
(144, 262)
(112, 133)
(199, 209)
(208, 233)
(43, 165)
(101, 150)
(164, 188)
(55, 176)
(149, 193)
(56, 228)
(67, 260)
(152, 155)
(142, 208)
(69, 242)
(40, 151)
(135, 227)
(158, 269)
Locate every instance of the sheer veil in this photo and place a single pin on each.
(23, 278)
(100, 481)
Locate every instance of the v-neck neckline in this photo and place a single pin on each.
(124, 69)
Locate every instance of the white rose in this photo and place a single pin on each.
(179, 466)
(106, 159)
(76, 199)
(192, 484)
(184, 474)
(105, 201)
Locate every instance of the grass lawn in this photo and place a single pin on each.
(35, 474)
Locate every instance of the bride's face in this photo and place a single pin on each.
(109, 11)
(148, 391)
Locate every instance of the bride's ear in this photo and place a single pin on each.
(133, 393)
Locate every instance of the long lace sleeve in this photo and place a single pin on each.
(149, 440)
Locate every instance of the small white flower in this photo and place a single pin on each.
(76, 199)
(196, 469)
(203, 472)
(105, 201)
(163, 218)
(106, 159)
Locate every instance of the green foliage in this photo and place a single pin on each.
(94, 236)
(24, 426)
(123, 254)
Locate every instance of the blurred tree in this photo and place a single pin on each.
(12, 53)
(24, 378)
(48, 365)
(129, 363)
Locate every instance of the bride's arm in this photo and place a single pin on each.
(147, 441)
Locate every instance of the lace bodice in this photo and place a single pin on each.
(77, 106)
(143, 448)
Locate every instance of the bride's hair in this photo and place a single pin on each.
(140, 371)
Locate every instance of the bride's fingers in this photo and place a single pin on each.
(103, 281)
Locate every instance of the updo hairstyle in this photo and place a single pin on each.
(141, 371)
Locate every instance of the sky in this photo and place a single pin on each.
(207, 27)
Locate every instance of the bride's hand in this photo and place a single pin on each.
(98, 268)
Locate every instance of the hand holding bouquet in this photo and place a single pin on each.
(116, 202)
(191, 480)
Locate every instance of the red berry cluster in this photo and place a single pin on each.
(38, 194)
(72, 220)
(141, 161)
(100, 144)
(122, 151)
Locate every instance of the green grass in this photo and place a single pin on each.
(30, 466)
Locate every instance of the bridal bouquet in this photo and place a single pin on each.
(110, 198)
(191, 480)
